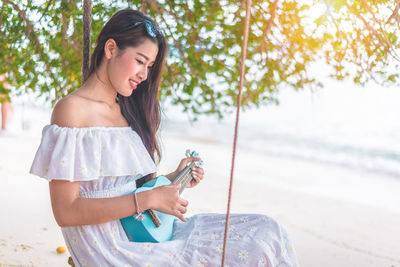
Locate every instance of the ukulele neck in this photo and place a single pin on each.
(184, 177)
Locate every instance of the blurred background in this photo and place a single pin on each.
(318, 145)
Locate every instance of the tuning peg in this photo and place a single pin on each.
(195, 154)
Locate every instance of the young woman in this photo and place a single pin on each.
(102, 139)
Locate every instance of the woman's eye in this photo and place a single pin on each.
(140, 62)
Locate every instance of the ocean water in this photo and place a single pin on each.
(340, 124)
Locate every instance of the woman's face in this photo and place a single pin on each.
(129, 67)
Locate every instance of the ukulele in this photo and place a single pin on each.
(154, 226)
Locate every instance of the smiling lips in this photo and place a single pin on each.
(133, 84)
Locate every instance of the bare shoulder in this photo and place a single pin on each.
(70, 112)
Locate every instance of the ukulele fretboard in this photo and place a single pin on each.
(184, 177)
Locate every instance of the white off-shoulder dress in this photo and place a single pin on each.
(107, 161)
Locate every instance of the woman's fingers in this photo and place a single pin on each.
(183, 202)
(198, 175)
(185, 161)
(181, 205)
(190, 159)
(198, 171)
(182, 209)
(180, 216)
(195, 181)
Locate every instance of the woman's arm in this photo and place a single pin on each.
(71, 210)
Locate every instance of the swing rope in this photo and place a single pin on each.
(239, 101)
(87, 23)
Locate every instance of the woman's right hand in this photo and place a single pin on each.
(166, 199)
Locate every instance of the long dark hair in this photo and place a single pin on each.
(142, 108)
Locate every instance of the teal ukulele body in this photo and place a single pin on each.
(151, 225)
(145, 230)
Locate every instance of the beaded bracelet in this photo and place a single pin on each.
(139, 215)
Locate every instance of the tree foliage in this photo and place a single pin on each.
(41, 46)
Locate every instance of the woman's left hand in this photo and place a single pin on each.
(197, 172)
(198, 175)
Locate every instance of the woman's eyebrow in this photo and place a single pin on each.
(143, 55)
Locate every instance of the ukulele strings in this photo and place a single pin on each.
(185, 176)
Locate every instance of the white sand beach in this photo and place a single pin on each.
(336, 216)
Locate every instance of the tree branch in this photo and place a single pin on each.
(64, 28)
(376, 34)
(144, 6)
(389, 45)
(271, 19)
(45, 11)
(236, 15)
(395, 13)
(159, 7)
(177, 44)
(2, 15)
(30, 33)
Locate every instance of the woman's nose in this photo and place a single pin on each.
(142, 74)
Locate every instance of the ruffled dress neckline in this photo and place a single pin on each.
(89, 153)
(88, 128)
